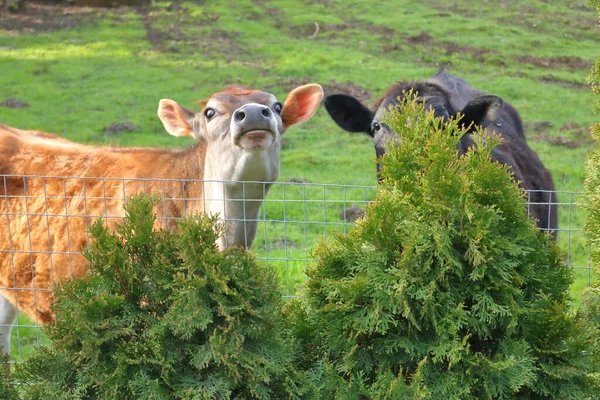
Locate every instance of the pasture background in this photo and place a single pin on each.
(80, 72)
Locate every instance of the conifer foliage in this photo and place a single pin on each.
(446, 289)
(590, 309)
(592, 182)
(164, 315)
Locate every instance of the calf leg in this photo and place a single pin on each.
(8, 314)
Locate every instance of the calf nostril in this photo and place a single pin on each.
(266, 112)
(239, 115)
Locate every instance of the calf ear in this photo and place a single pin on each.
(481, 110)
(349, 113)
(301, 104)
(178, 121)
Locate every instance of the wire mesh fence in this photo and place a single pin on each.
(44, 225)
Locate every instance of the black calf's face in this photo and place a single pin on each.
(382, 136)
(351, 115)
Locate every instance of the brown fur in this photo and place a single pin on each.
(51, 189)
(44, 220)
(231, 90)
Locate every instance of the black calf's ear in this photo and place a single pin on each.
(349, 113)
(481, 110)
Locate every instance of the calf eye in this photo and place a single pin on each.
(277, 108)
(376, 126)
(209, 113)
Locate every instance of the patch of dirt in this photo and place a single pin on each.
(558, 141)
(14, 103)
(35, 17)
(302, 31)
(173, 39)
(578, 135)
(272, 13)
(335, 27)
(154, 36)
(298, 180)
(351, 213)
(348, 88)
(385, 32)
(421, 38)
(571, 126)
(516, 14)
(118, 127)
(581, 22)
(541, 126)
(573, 63)
(550, 80)
(391, 48)
(451, 48)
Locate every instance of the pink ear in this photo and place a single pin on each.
(301, 104)
(177, 120)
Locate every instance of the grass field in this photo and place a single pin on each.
(75, 71)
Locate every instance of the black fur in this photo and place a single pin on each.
(448, 95)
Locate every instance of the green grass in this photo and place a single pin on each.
(535, 54)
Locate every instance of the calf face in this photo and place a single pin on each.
(351, 115)
(238, 124)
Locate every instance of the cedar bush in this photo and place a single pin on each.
(446, 289)
(592, 181)
(590, 307)
(165, 315)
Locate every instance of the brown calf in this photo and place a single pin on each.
(52, 189)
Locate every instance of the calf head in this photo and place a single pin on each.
(351, 115)
(242, 128)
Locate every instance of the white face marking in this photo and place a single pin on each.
(243, 136)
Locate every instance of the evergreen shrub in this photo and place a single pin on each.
(446, 289)
(590, 307)
(165, 315)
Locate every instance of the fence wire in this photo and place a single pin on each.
(44, 224)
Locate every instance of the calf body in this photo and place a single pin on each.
(448, 95)
(52, 189)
